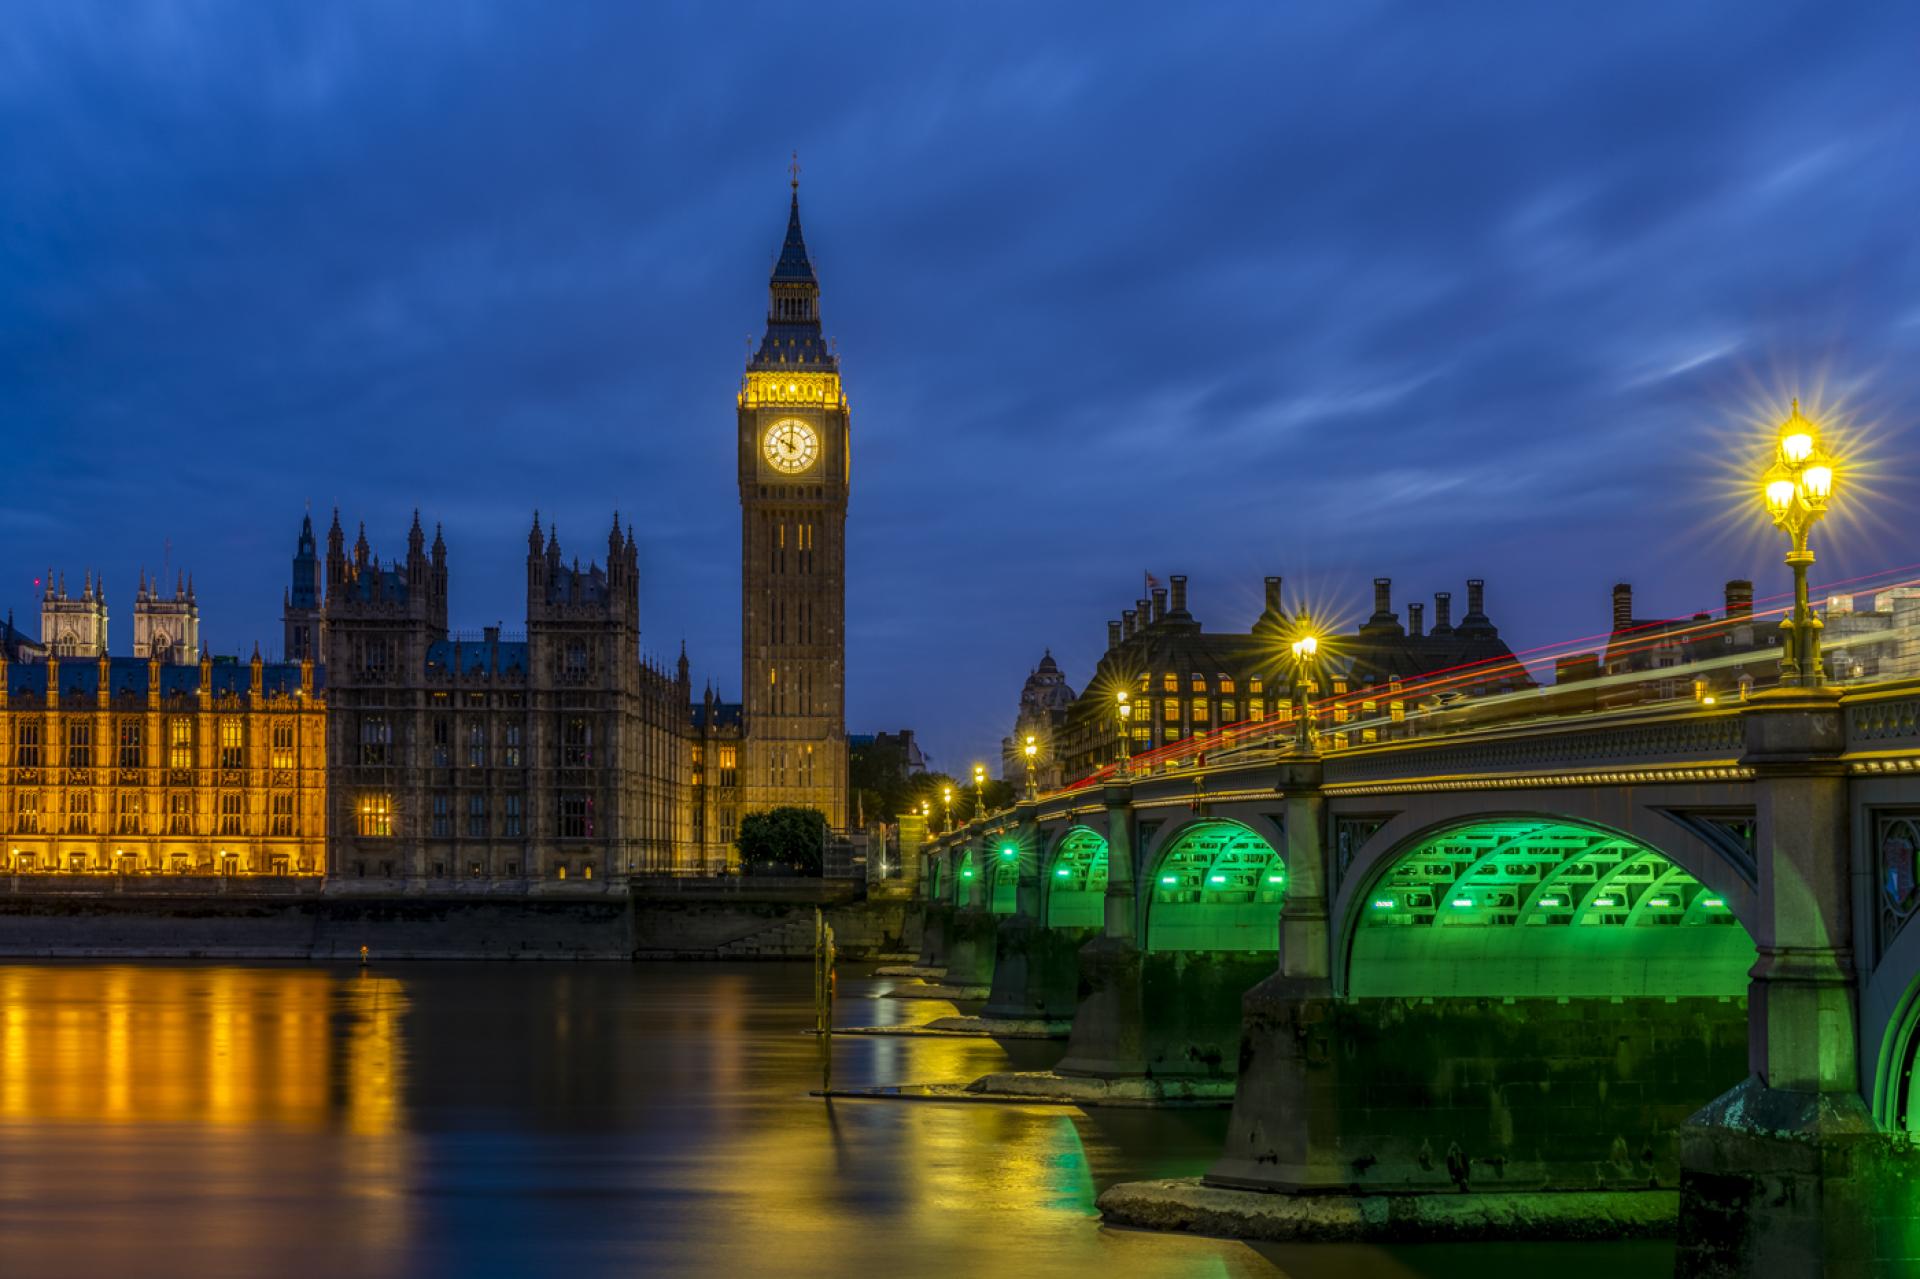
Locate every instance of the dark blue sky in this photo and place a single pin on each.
(1327, 291)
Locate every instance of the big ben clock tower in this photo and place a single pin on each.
(794, 472)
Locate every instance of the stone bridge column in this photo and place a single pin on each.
(1284, 1135)
(1025, 967)
(935, 911)
(1108, 1037)
(1785, 1175)
(1306, 940)
(970, 933)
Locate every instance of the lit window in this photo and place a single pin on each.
(179, 813)
(80, 812)
(1256, 707)
(1256, 685)
(284, 755)
(79, 744)
(180, 742)
(129, 818)
(1201, 710)
(282, 815)
(129, 743)
(476, 745)
(1226, 683)
(511, 747)
(1169, 683)
(373, 815)
(1170, 710)
(26, 744)
(230, 808)
(1199, 683)
(233, 753)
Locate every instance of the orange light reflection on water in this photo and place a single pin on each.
(223, 1047)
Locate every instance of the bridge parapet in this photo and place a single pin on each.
(1883, 727)
(1668, 745)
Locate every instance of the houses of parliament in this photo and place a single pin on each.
(389, 750)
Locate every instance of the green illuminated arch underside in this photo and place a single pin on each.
(1076, 884)
(963, 879)
(1219, 887)
(1531, 907)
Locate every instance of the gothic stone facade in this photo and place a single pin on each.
(133, 766)
(493, 763)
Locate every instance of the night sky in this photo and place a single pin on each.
(1328, 291)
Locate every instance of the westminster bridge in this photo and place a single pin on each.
(1660, 948)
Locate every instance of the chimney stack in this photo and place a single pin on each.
(1159, 602)
(1113, 634)
(1179, 583)
(1382, 598)
(1739, 599)
(1622, 605)
(1143, 612)
(1416, 614)
(1273, 595)
(1443, 612)
(1477, 598)
(1127, 620)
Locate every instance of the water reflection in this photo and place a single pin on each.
(578, 1120)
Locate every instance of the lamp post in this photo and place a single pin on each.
(1305, 649)
(979, 791)
(946, 806)
(1031, 750)
(1125, 712)
(1796, 489)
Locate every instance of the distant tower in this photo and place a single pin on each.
(794, 474)
(73, 626)
(166, 628)
(300, 613)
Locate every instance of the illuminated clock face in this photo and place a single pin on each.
(790, 445)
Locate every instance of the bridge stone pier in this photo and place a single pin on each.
(1658, 949)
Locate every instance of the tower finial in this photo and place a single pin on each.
(793, 171)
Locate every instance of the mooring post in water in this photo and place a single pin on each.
(823, 994)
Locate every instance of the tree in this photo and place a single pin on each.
(927, 788)
(782, 841)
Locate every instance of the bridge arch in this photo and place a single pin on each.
(1003, 876)
(1529, 906)
(1214, 885)
(934, 863)
(963, 872)
(1073, 880)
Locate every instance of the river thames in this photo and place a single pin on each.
(452, 1119)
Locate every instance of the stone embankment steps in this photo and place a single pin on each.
(788, 939)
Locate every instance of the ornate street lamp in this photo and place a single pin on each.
(1125, 712)
(979, 790)
(1796, 489)
(946, 806)
(1305, 650)
(1031, 750)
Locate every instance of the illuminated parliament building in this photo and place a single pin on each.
(388, 751)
